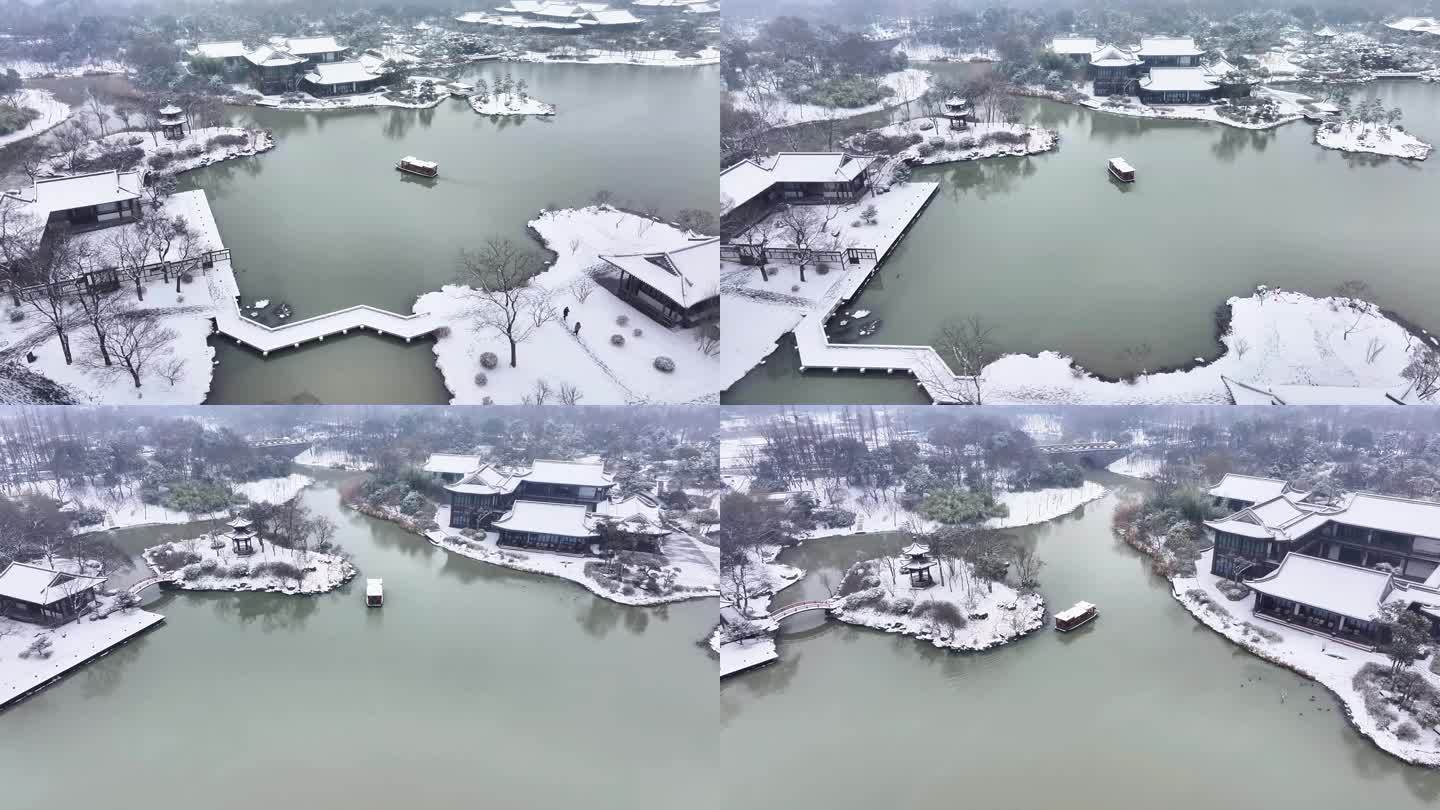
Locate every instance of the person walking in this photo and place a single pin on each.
(577, 328)
(565, 314)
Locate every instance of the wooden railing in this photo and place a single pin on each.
(110, 278)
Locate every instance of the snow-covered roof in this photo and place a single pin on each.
(374, 587)
(455, 463)
(614, 16)
(702, 8)
(170, 109)
(564, 519)
(636, 514)
(569, 473)
(1178, 79)
(351, 70)
(1334, 586)
(239, 523)
(1251, 488)
(272, 56)
(1071, 46)
(309, 46)
(1074, 612)
(686, 275)
(220, 50)
(79, 191)
(1111, 56)
(1168, 46)
(748, 179)
(486, 480)
(39, 585)
(1425, 24)
(411, 160)
(1327, 31)
(915, 550)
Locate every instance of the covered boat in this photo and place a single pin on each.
(414, 165)
(1077, 615)
(374, 593)
(1121, 170)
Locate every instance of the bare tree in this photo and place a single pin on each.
(968, 347)
(99, 309)
(43, 289)
(97, 111)
(1423, 371)
(569, 394)
(159, 188)
(71, 138)
(581, 288)
(139, 341)
(807, 227)
(132, 248)
(499, 275)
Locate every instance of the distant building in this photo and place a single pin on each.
(1169, 52)
(35, 593)
(958, 111)
(1076, 49)
(1177, 85)
(750, 189)
(1113, 71)
(451, 467)
(1419, 26)
(1326, 33)
(282, 64)
(83, 201)
(230, 54)
(678, 287)
(548, 16)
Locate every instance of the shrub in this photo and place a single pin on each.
(41, 647)
(925, 149)
(160, 160)
(481, 379)
(936, 143)
(194, 150)
(1407, 731)
(489, 360)
(1206, 602)
(171, 558)
(617, 339)
(279, 568)
(621, 320)
(858, 577)
(15, 315)
(637, 332)
(1263, 632)
(226, 139)
(833, 518)
(941, 614)
(1234, 591)
(187, 277)
(239, 570)
(665, 364)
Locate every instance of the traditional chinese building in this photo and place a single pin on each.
(172, 122)
(679, 287)
(35, 593)
(83, 201)
(751, 189)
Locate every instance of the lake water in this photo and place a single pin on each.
(1144, 708)
(474, 686)
(324, 221)
(1055, 256)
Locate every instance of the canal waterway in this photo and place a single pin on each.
(1055, 256)
(324, 221)
(473, 686)
(1144, 708)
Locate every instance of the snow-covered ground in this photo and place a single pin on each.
(970, 143)
(496, 104)
(187, 313)
(1289, 109)
(736, 656)
(1375, 139)
(596, 56)
(332, 459)
(696, 574)
(1329, 662)
(376, 99)
(907, 86)
(933, 52)
(53, 112)
(71, 645)
(603, 373)
(1137, 465)
(256, 141)
(321, 573)
(123, 508)
(1040, 505)
(995, 615)
(31, 70)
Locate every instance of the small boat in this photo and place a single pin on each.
(416, 166)
(374, 593)
(1077, 615)
(1122, 171)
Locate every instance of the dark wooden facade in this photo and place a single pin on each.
(658, 306)
(478, 511)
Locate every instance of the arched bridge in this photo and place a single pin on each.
(796, 608)
(1096, 454)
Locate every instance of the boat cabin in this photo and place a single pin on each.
(1122, 171)
(374, 593)
(414, 165)
(1077, 615)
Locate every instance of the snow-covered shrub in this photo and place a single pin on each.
(15, 315)
(41, 647)
(821, 268)
(621, 320)
(481, 379)
(665, 364)
(1234, 591)
(1204, 600)
(617, 339)
(412, 503)
(172, 558)
(941, 614)
(925, 149)
(1262, 632)
(279, 568)
(1407, 731)
(239, 570)
(636, 332)
(833, 518)
(489, 360)
(794, 288)
(187, 277)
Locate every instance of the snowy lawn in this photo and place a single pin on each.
(906, 85)
(1329, 662)
(989, 614)
(688, 576)
(737, 656)
(123, 508)
(1137, 465)
(70, 645)
(89, 67)
(332, 459)
(197, 565)
(1375, 139)
(53, 112)
(187, 313)
(603, 373)
(495, 104)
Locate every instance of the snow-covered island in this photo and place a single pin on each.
(1371, 138)
(150, 152)
(498, 104)
(226, 562)
(931, 144)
